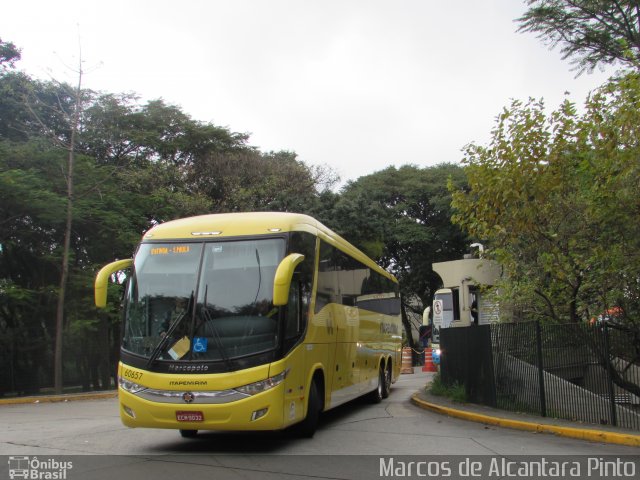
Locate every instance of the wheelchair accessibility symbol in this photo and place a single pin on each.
(199, 345)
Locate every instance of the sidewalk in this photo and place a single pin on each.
(520, 421)
(68, 397)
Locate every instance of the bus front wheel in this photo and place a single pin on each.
(307, 427)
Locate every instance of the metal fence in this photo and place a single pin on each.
(571, 371)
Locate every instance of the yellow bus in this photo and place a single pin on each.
(251, 321)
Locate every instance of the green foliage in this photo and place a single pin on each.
(136, 165)
(455, 392)
(401, 218)
(139, 164)
(556, 198)
(9, 54)
(590, 32)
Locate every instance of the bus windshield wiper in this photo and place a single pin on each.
(209, 323)
(163, 343)
(259, 277)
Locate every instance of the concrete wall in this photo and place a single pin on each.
(520, 382)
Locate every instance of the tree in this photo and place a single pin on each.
(28, 209)
(555, 198)
(612, 121)
(249, 180)
(68, 109)
(9, 55)
(74, 124)
(135, 165)
(589, 32)
(401, 217)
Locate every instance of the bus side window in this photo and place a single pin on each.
(327, 289)
(305, 244)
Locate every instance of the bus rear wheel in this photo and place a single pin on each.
(386, 386)
(377, 395)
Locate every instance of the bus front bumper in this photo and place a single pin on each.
(263, 411)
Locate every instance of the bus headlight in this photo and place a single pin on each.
(263, 385)
(129, 386)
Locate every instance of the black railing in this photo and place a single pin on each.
(570, 371)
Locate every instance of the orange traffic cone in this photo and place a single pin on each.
(429, 366)
(407, 361)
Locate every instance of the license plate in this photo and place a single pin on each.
(189, 416)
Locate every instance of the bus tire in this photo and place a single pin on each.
(386, 385)
(189, 433)
(376, 395)
(307, 427)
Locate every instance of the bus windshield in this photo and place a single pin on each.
(202, 301)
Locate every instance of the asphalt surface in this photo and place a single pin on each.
(356, 441)
(417, 381)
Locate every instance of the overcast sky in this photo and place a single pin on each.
(358, 85)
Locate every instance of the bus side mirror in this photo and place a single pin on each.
(102, 280)
(282, 279)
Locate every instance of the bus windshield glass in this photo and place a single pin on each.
(202, 301)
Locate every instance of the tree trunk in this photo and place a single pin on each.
(63, 282)
(64, 276)
(407, 326)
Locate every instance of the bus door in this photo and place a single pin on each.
(345, 374)
(294, 328)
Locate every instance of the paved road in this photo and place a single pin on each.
(394, 427)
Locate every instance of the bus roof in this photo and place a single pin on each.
(251, 224)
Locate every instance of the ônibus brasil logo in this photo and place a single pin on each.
(34, 469)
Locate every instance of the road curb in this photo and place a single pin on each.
(58, 398)
(580, 433)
